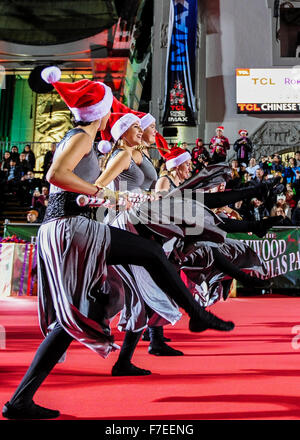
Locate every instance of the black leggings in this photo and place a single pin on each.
(219, 199)
(125, 248)
(231, 225)
(229, 268)
(128, 248)
(48, 354)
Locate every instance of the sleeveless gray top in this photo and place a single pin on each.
(130, 180)
(172, 184)
(88, 167)
(150, 174)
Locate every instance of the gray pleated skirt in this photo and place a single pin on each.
(71, 270)
(140, 291)
(205, 280)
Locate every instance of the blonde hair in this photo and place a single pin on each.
(114, 148)
(170, 173)
(140, 147)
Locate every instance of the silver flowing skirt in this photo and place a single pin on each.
(144, 303)
(204, 280)
(136, 284)
(71, 272)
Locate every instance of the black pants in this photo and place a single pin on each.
(219, 199)
(126, 248)
(230, 225)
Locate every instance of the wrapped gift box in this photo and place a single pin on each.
(18, 269)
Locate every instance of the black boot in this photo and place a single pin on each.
(157, 345)
(264, 188)
(28, 411)
(261, 227)
(208, 321)
(126, 368)
(123, 366)
(252, 281)
(146, 336)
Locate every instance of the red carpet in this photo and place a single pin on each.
(247, 374)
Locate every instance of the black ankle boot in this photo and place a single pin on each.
(253, 281)
(163, 350)
(128, 369)
(28, 411)
(261, 227)
(201, 320)
(146, 336)
(157, 345)
(264, 188)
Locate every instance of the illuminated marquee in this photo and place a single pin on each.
(268, 90)
(179, 108)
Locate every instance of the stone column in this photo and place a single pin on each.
(159, 65)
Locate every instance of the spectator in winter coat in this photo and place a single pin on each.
(219, 145)
(200, 156)
(23, 164)
(252, 167)
(243, 147)
(257, 210)
(14, 154)
(289, 172)
(199, 150)
(276, 165)
(30, 157)
(277, 211)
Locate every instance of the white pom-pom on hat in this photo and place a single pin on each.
(51, 74)
(104, 147)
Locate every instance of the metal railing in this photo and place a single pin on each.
(7, 145)
(40, 148)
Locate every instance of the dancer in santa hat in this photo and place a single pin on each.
(133, 319)
(243, 147)
(219, 144)
(122, 172)
(203, 262)
(141, 154)
(178, 166)
(73, 250)
(140, 157)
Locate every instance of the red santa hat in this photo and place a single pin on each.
(88, 100)
(146, 118)
(242, 131)
(174, 156)
(220, 128)
(117, 124)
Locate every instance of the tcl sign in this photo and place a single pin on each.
(263, 81)
(244, 108)
(269, 90)
(266, 107)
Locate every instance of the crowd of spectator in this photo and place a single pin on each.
(18, 178)
(246, 170)
(19, 181)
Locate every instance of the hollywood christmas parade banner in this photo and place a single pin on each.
(280, 249)
(179, 105)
